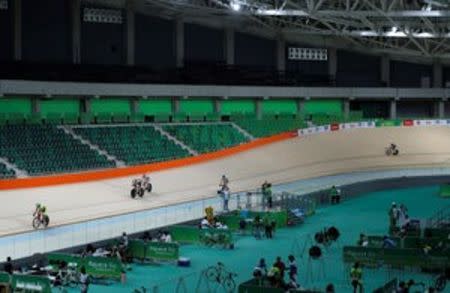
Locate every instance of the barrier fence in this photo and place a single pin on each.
(61, 237)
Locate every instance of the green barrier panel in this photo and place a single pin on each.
(191, 234)
(381, 123)
(396, 257)
(5, 278)
(389, 287)
(153, 250)
(219, 237)
(232, 220)
(29, 283)
(98, 267)
(185, 234)
(56, 258)
(445, 190)
(103, 267)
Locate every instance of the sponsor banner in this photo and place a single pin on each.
(408, 122)
(361, 124)
(102, 267)
(334, 127)
(30, 283)
(430, 122)
(153, 250)
(314, 130)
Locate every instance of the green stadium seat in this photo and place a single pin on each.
(16, 118)
(206, 137)
(6, 173)
(196, 117)
(133, 144)
(267, 127)
(162, 117)
(3, 118)
(86, 118)
(137, 117)
(54, 118)
(213, 117)
(121, 117)
(180, 117)
(44, 149)
(70, 118)
(35, 118)
(103, 118)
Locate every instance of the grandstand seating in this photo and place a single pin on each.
(40, 149)
(267, 127)
(133, 144)
(6, 173)
(206, 137)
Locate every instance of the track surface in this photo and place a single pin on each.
(286, 161)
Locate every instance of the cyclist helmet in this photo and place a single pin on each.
(38, 205)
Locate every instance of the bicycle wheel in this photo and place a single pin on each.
(229, 284)
(212, 274)
(36, 223)
(46, 221)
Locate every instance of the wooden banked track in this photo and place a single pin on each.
(283, 158)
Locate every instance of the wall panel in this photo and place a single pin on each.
(323, 106)
(238, 106)
(110, 105)
(60, 105)
(203, 44)
(197, 106)
(279, 106)
(15, 105)
(46, 31)
(155, 106)
(155, 42)
(102, 43)
(254, 51)
(6, 33)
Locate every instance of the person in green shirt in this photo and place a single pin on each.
(335, 195)
(356, 277)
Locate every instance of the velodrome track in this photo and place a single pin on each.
(285, 161)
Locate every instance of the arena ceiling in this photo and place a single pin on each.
(404, 29)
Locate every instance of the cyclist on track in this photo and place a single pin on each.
(40, 211)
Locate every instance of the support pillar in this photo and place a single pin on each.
(332, 63)
(130, 24)
(347, 108)
(76, 31)
(281, 55)
(385, 70)
(300, 107)
(179, 42)
(86, 105)
(437, 74)
(17, 10)
(35, 104)
(229, 46)
(217, 105)
(258, 108)
(135, 105)
(175, 105)
(441, 109)
(393, 109)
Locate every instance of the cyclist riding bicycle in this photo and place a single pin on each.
(40, 211)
